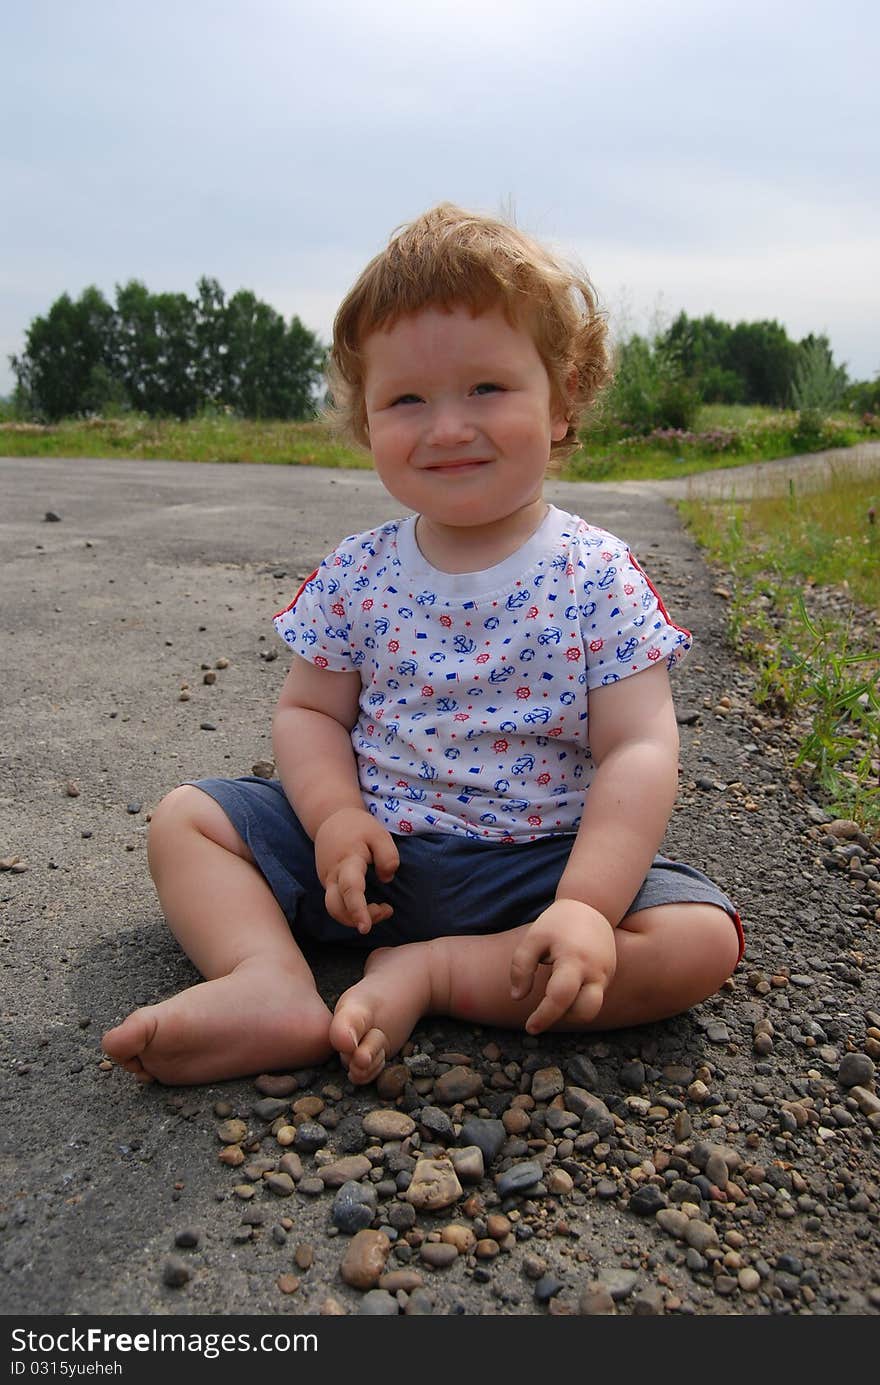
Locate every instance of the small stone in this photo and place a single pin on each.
(647, 1200)
(304, 1256)
(595, 1300)
(354, 1207)
(187, 1239)
(207, 726)
(403, 1279)
(309, 1137)
(673, 1221)
(547, 1083)
(378, 1303)
(232, 1132)
(462, 1237)
(700, 1235)
(348, 1169)
(175, 1272)
(488, 1134)
(632, 1075)
(519, 1177)
(749, 1280)
(468, 1163)
(547, 1287)
(620, 1283)
(209, 677)
(391, 1081)
(457, 1084)
(281, 1184)
(388, 1125)
(288, 1283)
(559, 1182)
(233, 1156)
(276, 1084)
(438, 1254)
(364, 1260)
(856, 1070)
(435, 1125)
(434, 1184)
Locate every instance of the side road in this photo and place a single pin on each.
(721, 1163)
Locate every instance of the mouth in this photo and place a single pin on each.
(459, 464)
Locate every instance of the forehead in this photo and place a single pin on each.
(437, 336)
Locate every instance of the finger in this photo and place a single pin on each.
(526, 956)
(351, 879)
(380, 912)
(563, 986)
(335, 906)
(386, 857)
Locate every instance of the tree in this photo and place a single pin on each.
(167, 354)
(66, 363)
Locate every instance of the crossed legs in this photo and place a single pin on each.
(258, 1008)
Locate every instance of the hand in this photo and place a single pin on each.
(578, 944)
(345, 844)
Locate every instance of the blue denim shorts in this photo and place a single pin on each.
(445, 885)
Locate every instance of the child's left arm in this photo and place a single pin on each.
(634, 744)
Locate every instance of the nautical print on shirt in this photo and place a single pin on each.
(473, 715)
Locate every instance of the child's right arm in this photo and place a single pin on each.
(311, 734)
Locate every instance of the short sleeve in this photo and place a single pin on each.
(627, 627)
(316, 625)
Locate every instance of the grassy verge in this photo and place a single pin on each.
(211, 438)
(722, 437)
(803, 573)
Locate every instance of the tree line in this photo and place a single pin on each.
(165, 354)
(661, 381)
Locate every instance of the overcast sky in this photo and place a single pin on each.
(700, 154)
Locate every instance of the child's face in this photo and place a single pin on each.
(459, 414)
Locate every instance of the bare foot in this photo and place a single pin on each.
(259, 1018)
(375, 1017)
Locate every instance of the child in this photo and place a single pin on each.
(476, 743)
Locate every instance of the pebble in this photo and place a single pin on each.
(276, 1084)
(388, 1125)
(364, 1260)
(434, 1184)
(595, 1300)
(187, 1238)
(391, 1081)
(350, 1168)
(281, 1184)
(547, 1083)
(378, 1303)
(856, 1070)
(438, 1254)
(519, 1177)
(632, 1075)
(647, 1200)
(547, 1287)
(435, 1125)
(175, 1272)
(457, 1084)
(460, 1236)
(270, 1107)
(232, 1132)
(487, 1134)
(354, 1207)
(700, 1235)
(620, 1283)
(309, 1137)
(468, 1163)
(749, 1280)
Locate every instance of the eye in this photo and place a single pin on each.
(406, 399)
(486, 387)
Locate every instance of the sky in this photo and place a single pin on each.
(702, 155)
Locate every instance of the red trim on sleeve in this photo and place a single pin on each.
(284, 611)
(659, 599)
(740, 933)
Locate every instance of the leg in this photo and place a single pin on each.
(668, 958)
(258, 1008)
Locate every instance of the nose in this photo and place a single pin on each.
(449, 425)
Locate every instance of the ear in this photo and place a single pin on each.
(561, 417)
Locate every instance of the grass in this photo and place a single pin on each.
(209, 438)
(803, 570)
(724, 436)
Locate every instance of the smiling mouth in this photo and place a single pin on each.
(463, 464)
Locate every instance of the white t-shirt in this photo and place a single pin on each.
(474, 701)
